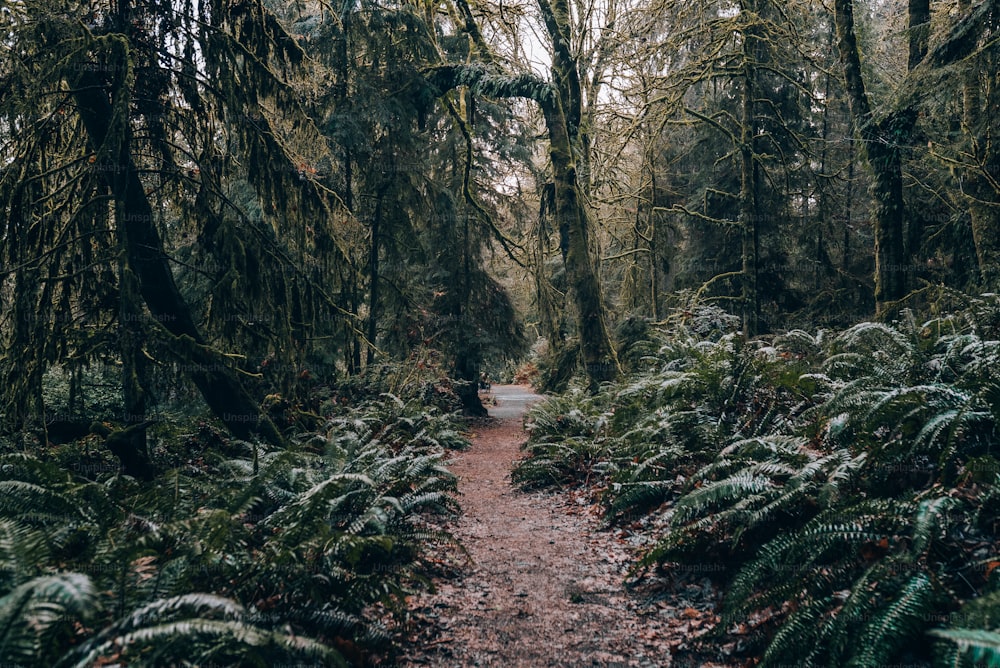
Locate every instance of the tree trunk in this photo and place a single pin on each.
(133, 453)
(214, 377)
(882, 142)
(891, 267)
(373, 278)
(595, 343)
(24, 366)
(983, 200)
(749, 218)
(845, 265)
(919, 29)
(562, 119)
(467, 359)
(653, 231)
(568, 198)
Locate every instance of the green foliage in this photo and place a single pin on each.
(973, 634)
(252, 556)
(39, 614)
(565, 444)
(839, 484)
(982, 647)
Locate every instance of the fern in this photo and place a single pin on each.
(23, 549)
(983, 646)
(35, 614)
(843, 478)
(799, 631)
(896, 624)
(320, 540)
(203, 628)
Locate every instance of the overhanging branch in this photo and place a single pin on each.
(443, 78)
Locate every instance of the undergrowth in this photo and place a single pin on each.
(240, 554)
(841, 487)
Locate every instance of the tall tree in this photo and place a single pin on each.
(420, 191)
(561, 103)
(883, 141)
(981, 155)
(183, 117)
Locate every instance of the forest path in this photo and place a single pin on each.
(543, 585)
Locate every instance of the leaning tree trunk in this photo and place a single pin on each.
(145, 256)
(133, 452)
(882, 144)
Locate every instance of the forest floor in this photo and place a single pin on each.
(542, 582)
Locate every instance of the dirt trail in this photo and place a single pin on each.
(544, 586)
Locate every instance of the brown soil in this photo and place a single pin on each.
(543, 583)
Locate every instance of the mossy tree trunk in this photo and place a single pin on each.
(595, 342)
(882, 143)
(561, 102)
(134, 453)
(749, 215)
(982, 134)
(100, 107)
(563, 113)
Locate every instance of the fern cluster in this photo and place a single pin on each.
(255, 558)
(844, 486)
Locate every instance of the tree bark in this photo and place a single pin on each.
(562, 119)
(133, 453)
(882, 144)
(373, 278)
(595, 343)
(983, 200)
(562, 106)
(749, 218)
(216, 380)
(467, 357)
(919, 29)
(654, 248)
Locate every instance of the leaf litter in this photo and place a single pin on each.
(540, 582)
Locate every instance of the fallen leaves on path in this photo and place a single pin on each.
(542, 584)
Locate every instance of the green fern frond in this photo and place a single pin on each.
(801, 342)
(982, 645)
(738, 486)
(896, 624)
(928, 521)
(23, 551)
(37, 504)
(638, 496)
(805, 546)
(206, 641)
(33, 613)
(798, 633)
(877, 337)
(840, 629)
